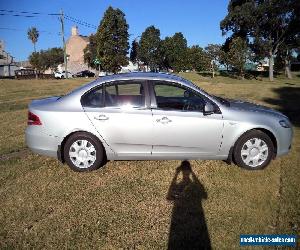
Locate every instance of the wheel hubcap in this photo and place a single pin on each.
(254, 152)
(82, 154)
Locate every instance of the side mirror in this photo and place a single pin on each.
(208, 109)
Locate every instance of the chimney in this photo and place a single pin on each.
(74, 31)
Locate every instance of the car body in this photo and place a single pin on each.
(85, 73)
(154, 116)
(62, 74)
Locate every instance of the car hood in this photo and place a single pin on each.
(248, 106)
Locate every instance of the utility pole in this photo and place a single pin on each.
(64, 43)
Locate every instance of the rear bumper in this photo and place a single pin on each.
(41, 143)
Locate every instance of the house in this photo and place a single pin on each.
(74, 49)
(7, 64)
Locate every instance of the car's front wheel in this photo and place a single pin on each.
(254, 150)
(83, 152)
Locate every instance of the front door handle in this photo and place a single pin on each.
(164, 120)
(101, 117)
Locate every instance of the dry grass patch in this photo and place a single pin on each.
(125, 204)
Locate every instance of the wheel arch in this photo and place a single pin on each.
(60, 150)
(264, 130)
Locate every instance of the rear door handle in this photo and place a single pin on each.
(164, 120)
(101, 117)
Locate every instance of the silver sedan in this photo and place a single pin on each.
(153, 116)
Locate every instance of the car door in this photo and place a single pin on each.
(181, 130)
(120, 113)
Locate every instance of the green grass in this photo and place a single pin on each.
(125, 204)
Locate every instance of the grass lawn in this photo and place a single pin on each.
(129, 204)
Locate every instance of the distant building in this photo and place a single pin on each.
(7, 63)
(129, 68)
(74, 49)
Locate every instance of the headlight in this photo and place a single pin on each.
(284, 124)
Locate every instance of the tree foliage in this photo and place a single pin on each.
(46, 59)
(149, 51)
(197, 58)
(90, 52)
(112, 40)
(213, 52)
(33, 35)
(267, 23)
(134, 51)
(175, 52)
(238, 54)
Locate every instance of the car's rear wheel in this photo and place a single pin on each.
(254, 150)
(83, 152)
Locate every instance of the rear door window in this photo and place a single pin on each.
(125, 94)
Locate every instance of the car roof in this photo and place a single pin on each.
(137, 76)
(145, 76)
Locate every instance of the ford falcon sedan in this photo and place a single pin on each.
(154, 116)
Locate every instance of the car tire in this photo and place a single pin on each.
(62, 77)
(254, 150)
(84, 152)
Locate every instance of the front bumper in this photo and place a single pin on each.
(284, 140)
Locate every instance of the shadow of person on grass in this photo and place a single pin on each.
(188, 228)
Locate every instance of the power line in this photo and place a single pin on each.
(18, 15)
(80, 22)
(41, 31)
(31, 13)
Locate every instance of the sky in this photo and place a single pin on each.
(198, 20)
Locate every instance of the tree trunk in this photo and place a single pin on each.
(242, 75)
(212, 69)
(287, 65)
(288, 69)
(34, 48)
(271, 63)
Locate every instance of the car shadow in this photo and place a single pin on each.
(188, 228)
(288, 102)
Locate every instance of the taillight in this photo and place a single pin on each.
(33, 119)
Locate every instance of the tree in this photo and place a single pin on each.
(46, 59)
(112, 40)
(269, 24)
(33, 35)
(197, 59)
(238, 54)
(53, 57)
(175, 51)
(90, 52)
(134, 51)
(149, 51)
(213, 52)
